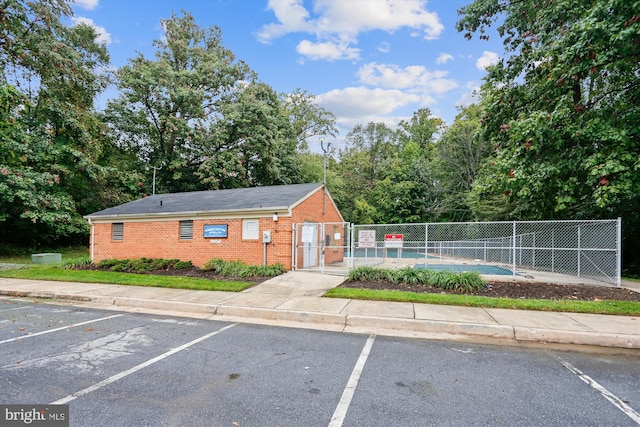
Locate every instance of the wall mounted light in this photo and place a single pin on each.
(275, 217)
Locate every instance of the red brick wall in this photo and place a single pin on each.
(161, 239)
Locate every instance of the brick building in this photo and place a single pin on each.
(253, 225)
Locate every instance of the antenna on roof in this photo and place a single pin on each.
(324, 178)
(153, 191)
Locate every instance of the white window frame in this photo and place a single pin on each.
(250, 229)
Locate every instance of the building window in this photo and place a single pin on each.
(249, 229)
(186, 230)
(117, 231)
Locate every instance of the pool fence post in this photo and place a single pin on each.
(426, 244)
(579, 256)
(514, 248)
(618, 251)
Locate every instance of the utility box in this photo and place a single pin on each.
(266, 237)
(50, 258)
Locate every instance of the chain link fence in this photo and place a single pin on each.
(322, 246)
(588, 249)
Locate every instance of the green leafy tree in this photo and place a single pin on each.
(167, 105)
(409, 190)
(362, 162)
(54, 158)
(459, 154)
(249, 145)
(307, 118)
(562, 110)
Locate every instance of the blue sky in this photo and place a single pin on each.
(364, 60)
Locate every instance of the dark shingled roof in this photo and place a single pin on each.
(239, 199)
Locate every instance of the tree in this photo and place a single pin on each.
(459, 154)
(167, 106)
(362, 162)
(421, 130)
(53, 145)
(563, 109)
(409, 190)
(307, 119)
(249, 144)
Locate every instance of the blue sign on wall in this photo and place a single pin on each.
(215, 231)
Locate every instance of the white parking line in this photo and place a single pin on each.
(136, 368)
(628, 410)
(4, 310)
(59, 329)
(343, 406)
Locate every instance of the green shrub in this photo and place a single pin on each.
(144, 265)
(367, 273)
(442, 279)
(108, 263)
(240, 269)
(75, 263)
(411, 276)
(119, 267)
(469, 281)
(270, 270)
(182, 265)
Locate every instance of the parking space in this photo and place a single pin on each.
(138, 369)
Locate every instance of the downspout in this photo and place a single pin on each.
(91, 239)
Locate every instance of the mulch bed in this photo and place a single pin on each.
(517, 290)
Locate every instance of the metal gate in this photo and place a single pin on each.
(322, 246)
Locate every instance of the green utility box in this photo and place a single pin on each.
(46, 258)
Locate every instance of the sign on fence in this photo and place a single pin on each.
(393, 240)
(367, 238)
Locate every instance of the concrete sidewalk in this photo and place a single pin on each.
(295, 300)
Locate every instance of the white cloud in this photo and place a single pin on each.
(384, 47)
(292, 17)
(356, 102)
(103, 37)
(488, 58)
(413, 77)
(86, 4)
(443, 58)
(329, 51)
(345, 20)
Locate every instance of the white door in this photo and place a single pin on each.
(310, 245)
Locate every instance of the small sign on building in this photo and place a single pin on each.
(393, 240)
(215, 231)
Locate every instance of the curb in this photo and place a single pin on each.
(577, 338)
(429, 329)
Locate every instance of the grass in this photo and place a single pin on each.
(25, 258)
(621, 308)
(52, 272)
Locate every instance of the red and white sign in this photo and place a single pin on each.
(393, 240)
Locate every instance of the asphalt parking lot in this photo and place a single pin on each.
(126, 369)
